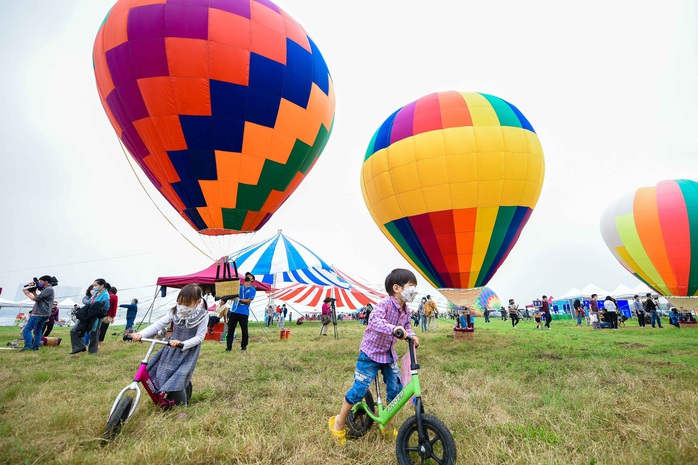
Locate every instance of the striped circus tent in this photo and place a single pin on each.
(356, 296)
(282, 259)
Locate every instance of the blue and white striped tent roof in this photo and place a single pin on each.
(288, 261)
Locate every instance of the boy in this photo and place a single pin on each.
(536, 316)
(377, 351)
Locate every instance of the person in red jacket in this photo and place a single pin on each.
(111, 314)
(546, 311)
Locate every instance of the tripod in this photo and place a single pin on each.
(334, 318)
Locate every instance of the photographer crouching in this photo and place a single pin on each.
(42, 293)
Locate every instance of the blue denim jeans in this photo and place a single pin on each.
(366, 372)
(35, 325)
(423, 321)
(655, 318)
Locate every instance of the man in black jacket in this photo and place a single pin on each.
(652, 307)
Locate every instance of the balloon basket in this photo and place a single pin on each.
(463, 334)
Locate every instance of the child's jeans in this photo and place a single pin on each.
(366, 372)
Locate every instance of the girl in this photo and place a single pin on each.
(171, 369)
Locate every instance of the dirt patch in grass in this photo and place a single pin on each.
(631, 345)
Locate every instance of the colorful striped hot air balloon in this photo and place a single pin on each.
(226, 105)
(451, 179)
(653, 233)
(485, 298)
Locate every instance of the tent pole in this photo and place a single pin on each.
(334, 311)
(152, 305)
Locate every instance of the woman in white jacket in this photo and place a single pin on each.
(611, 311)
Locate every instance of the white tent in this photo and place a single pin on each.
(622, 291)
(592, 288)
(572, 293)
(67, 303)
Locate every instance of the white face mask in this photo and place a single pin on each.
(409, 293)
(183, 311)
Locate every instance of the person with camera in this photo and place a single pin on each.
(240, 313)
(41, 311)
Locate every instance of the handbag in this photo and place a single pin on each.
(325, 319)
(227, 285)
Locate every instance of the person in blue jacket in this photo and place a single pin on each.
(131, 310)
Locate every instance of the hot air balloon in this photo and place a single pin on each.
(483, 298)
(451, 179)
(653, 233)
(226, 105)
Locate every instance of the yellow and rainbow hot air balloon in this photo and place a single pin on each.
(451, 179)
(653, 233)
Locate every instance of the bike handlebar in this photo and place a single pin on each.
(127, 337)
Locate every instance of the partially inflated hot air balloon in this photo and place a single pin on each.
(451, 179)
(484, 298)
(225, 104)
(653, 233)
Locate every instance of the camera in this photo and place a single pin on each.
(31, 286)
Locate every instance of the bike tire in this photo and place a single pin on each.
(359, 423)
(439, 447)
(117, 419)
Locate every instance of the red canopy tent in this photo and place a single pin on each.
(205, 277)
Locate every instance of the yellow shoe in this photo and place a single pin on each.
(389, 433)
(341, 436)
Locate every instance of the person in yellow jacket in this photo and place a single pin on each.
(431, 312)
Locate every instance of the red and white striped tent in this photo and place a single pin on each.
(357, 296)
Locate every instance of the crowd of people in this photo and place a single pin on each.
(189, 320)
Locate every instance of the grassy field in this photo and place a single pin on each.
(566, 396)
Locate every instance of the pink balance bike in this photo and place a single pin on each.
(126, 402)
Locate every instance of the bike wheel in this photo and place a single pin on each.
(359, 423)
(437, 448)
(117, 419)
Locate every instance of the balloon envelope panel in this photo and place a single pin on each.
(225, 104)
(451, 179)
(653, 233)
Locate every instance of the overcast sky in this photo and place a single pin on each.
(611, 89)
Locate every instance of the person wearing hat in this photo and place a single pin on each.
(40, 312)
(326, 316)
(513, 313)
(240, 313)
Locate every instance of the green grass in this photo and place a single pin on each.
(566, 396)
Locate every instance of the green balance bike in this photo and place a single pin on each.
(422, 439)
